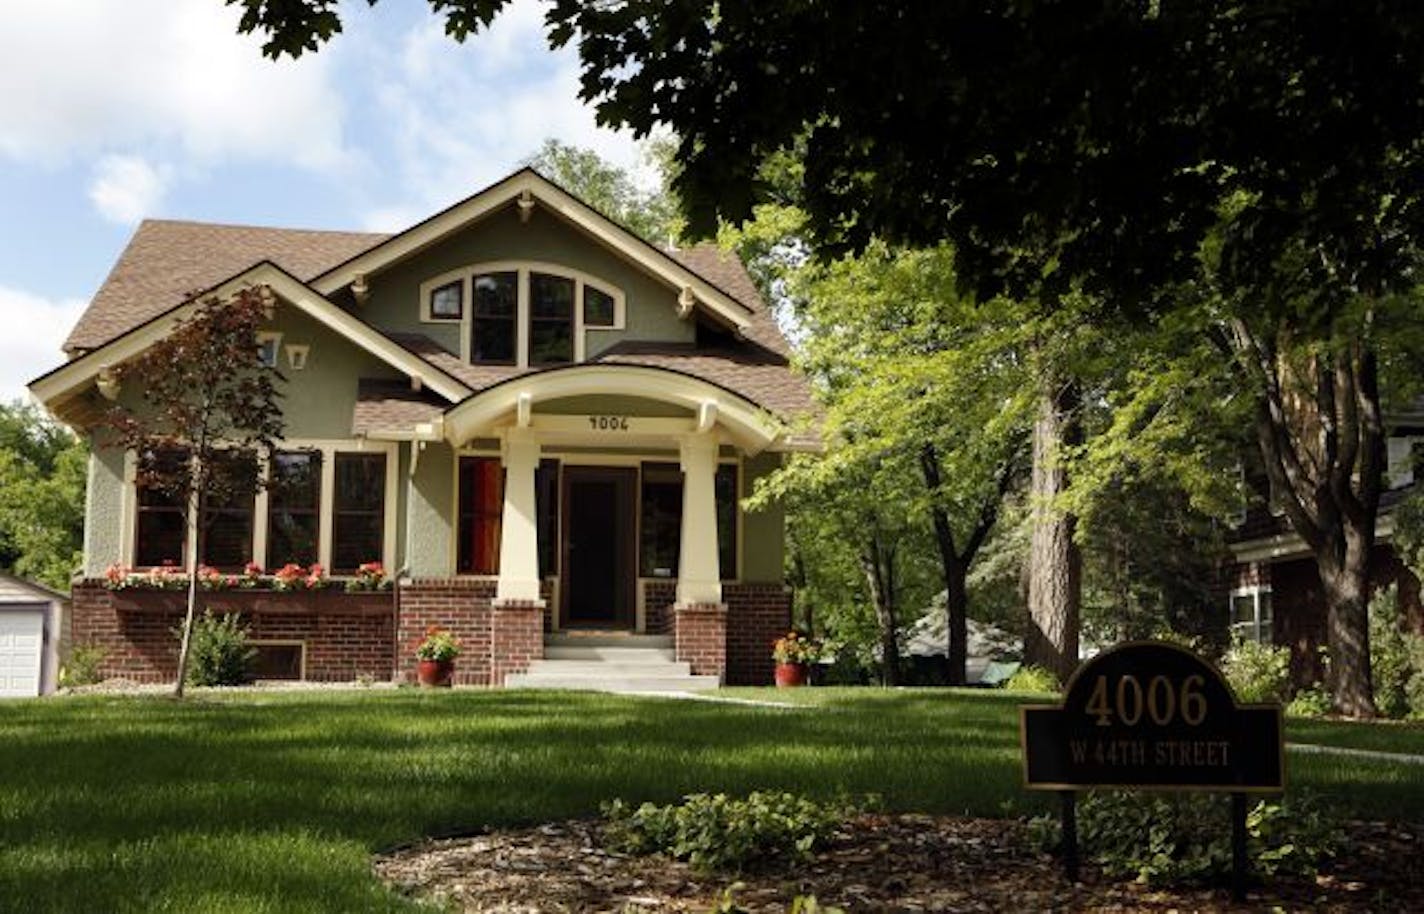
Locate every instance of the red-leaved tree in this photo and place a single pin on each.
(206, 419)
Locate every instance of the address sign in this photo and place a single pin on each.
(1151, 715)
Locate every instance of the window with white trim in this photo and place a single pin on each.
(522, 313)
(1252, 618)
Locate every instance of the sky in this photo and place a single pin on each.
(112, 112)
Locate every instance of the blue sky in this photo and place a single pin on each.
(116, 111)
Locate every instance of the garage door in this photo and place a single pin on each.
(21, 646)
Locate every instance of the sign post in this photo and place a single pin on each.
(1149, 715)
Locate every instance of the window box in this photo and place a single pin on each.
(326, 602)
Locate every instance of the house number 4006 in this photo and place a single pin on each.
(1162, 699)
(608, 423)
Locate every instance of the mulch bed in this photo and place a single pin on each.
(897, 863)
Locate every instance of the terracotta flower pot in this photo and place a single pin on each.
(435, 674)
(791, 675)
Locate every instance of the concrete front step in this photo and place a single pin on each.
(613, 684)
(596, 638)
(593, 654)
(610, 667)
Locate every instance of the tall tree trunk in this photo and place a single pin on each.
(877, 563)
(192, 550)
(1346, 586)
(1054, 577)
(1320, 432)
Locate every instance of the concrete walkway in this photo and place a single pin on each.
(1401, 758)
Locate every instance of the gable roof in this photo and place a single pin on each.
(166, 262)
(80, 371)
(529, 184)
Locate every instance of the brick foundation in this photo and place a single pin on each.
(139, 642)
(700, 637)
(516, 636)
(757, 614)
(658, 597)
(462, 607)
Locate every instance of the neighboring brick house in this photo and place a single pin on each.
(1273, 590)
(540, 421)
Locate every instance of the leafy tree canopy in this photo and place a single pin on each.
(1056, 145)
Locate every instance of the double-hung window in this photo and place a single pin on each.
(358, 511)
(161, 529)
(1252, 617)
(294, 509)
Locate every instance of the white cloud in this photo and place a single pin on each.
(127, 188)
(82, 77)
(461, 116)
(35, 328)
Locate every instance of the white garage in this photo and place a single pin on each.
(29, 638)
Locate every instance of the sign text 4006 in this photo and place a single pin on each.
(1163, 700)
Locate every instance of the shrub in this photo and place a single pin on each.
(1186, 838)
(1033, 679)
(219, 653)
(1312, 701)
(82, 666)
(1396, 658)
(1257, 672)
(714, 832)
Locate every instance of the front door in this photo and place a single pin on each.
(599, 584)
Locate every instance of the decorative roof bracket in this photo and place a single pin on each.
(359, 289)
(685, 302)
(526, 206)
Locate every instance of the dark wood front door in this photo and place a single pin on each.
(599, 584)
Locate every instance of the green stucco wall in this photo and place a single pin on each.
(763, 532)
(430, 503)
(318, 400)
(651, 306)
(103, 511)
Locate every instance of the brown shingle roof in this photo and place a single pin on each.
(727, 273)
(390, 405)
(761, 377)
(167, 261)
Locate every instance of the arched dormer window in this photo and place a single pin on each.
(524, 313)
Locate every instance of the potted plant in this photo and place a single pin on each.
(435, 658)
(794, 653)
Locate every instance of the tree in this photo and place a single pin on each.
(648, 213)
(1076, 148)
(207, 419)
(43, 470)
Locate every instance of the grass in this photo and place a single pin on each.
(272, 802)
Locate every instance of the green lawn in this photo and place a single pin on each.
(273, 801)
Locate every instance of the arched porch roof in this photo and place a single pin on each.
(510, 403)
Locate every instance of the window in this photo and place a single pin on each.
(277, 659)
(162, 528)
(494, 325)
(726, 489)
(599, 309)
(447, 302)
(661, 537)
(546, 506)
(294, 509)
(225, 542)
(1252, 618)
(551, 319)
(268, 345)
(358, 515)
(661, 527)
(481, 507)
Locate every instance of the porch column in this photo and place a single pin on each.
(699, 579)
(519, 532)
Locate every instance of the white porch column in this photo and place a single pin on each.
(519, 531)
(699, 580)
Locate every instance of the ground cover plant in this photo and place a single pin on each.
(274, 802)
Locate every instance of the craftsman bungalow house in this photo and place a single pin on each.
(537, 422)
